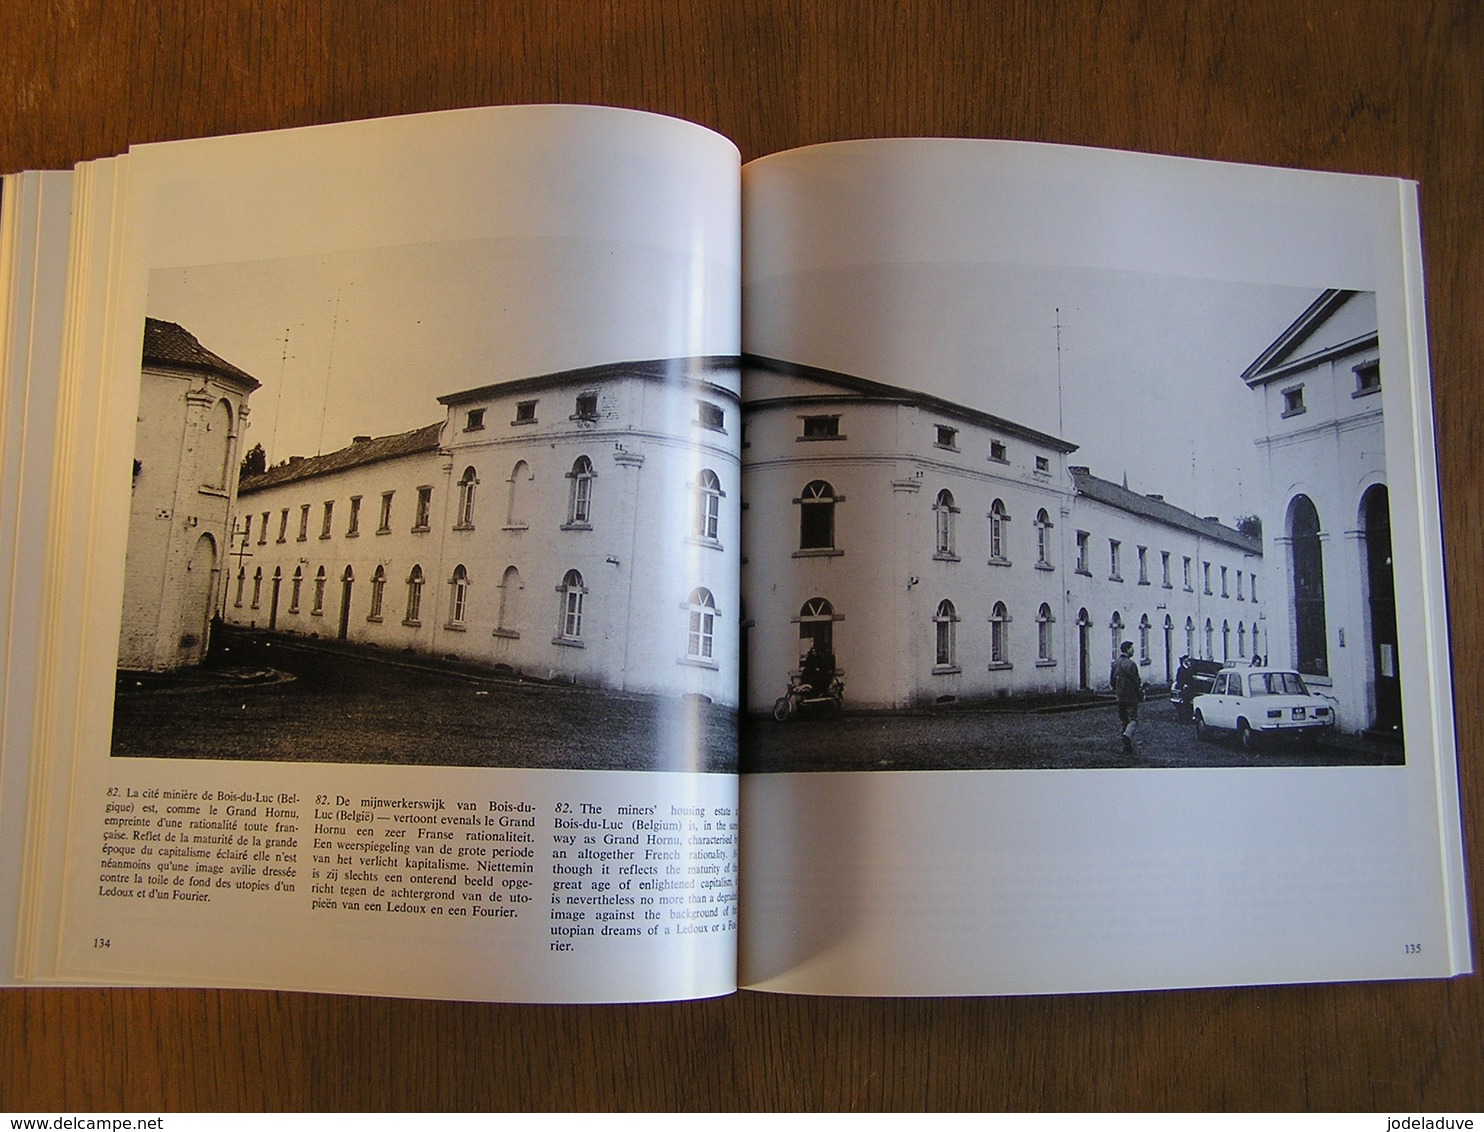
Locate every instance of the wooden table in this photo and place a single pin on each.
(1370, 86)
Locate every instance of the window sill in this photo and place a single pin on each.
(1293, 413)
(516, 527)
(819, 553)
(568, 642)
(1000, 666)
(1115, 577)
(412, 623)
(699, 662)
(352, 534)
(1084, 572)
(280, 541)
(383, 530)
(944, 556)
(812, 439)
(1045, 566)
(946, 669)
(1045, 664)
(999, 562)
(709, 543)
(577, 526)
(508, 634)
(463, 526)
(375, 619)
(455, 626)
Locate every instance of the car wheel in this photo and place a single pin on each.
(780, 708)
(1247, 737)
(1202, 732)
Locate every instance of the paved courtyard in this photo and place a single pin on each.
(962, 738)
(281, 700)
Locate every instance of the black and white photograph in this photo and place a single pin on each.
(418, 505)
(1138, 521)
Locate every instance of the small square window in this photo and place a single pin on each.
(525, 412)
(1043, 464)
(1367, 378)
(1293, 401)
(946, 437)
(710, 416)
(587, 407)
(997, 451)
(474, 420)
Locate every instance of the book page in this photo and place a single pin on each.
(1095, 624)
(406, 652)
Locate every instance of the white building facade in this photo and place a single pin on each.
(1328, 520)
(943, 554)
(192, 414)
(580, 526)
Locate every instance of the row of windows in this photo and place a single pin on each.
(1246, 581)
(704, 525)
(708, 415)
(826, 426)
(572, 593)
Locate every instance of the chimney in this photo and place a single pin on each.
(1211, 518)
(359, 439)
(1156, 498)
(295, 460)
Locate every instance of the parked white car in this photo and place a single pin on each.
(1258, 702)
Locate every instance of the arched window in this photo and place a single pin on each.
(817, 516)
(378, 593)
(1044, 634)
(319, 592)
(999, 636)
(1226, 641)
(296, 584)
(1307, 587)
(943, 523)
(520, 476)
(216, 451)
(241, 582)
(1241, 638)
(257, 586)
(1043, 538)
(708, 506)
(1115, 629)
(998, 549)
(945, 652)
(509, 616)
(580, 498)
(1144, 638)
(1210, 651)
(700, 635)
(572, 593)
(816, 620)
(414, 597)
(458, 595)
(1189, 637)
(467, 484)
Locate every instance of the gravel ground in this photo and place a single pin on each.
(282, 701)
(959, 738)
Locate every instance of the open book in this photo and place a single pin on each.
(523, 554)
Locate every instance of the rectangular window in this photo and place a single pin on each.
(821, 428)
(263, 530)
(324, 529)
(1083, 566)
(1367, 378)
(525, 413)
(1239, 585)
(1143, 566)
(1114, 548)
(1293, 401)
(1205, 577)
(474, 420)
(303, 522)
(1164, 568)
(1223, 582)
(587, 407)
(1254, 587)
(997, 451)
(420, 519)
(1043, 465)
(283, 525)
(354, 527)
(384, 523)
(710, 416)
(946, 437)
(247, 530)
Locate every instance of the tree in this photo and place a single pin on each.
(1251, 526)
(255, 463)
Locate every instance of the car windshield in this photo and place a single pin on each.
(1276, 684)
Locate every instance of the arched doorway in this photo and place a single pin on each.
(198, 602)
(1306, 588)
(1375, 517)
(346, 580)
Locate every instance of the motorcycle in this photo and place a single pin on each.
(801, 696)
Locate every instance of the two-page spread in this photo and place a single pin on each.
(438, 513)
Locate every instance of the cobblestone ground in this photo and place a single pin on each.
(283, 701)
(966, 739)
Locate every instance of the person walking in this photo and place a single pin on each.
(1128, 690)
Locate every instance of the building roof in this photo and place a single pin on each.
(861, 388)
(1283, 355)
(169, 344)
(1147, 507)
(687, 369)
(358, 454)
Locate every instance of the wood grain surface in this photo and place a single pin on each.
(1359, 86)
